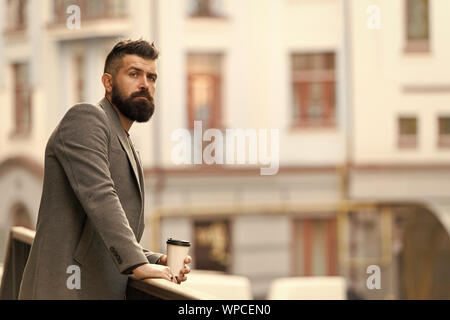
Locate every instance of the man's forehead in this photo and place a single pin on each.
(132, 60)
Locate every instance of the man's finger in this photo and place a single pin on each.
(185, 270)
(187, 260)
(168, 277)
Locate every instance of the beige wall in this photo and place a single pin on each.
(256, 38)
(381, 70)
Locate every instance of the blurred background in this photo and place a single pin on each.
(360, 93)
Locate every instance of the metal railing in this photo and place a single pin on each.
(19, 247)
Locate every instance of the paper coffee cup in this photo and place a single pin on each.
(177, 250)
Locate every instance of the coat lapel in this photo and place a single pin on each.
(121, 134)
(141, 173)
(141, 179)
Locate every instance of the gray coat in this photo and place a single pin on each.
(91, 214)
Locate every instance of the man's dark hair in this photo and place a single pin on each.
(141, 48)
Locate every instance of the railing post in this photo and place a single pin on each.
(16, 259)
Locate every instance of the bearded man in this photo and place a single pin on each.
(91, 215)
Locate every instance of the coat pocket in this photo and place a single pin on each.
(84, 243)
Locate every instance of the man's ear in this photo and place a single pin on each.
(107, 82)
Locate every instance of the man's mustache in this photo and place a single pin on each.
(142, 94)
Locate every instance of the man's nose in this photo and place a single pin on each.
(144, 84)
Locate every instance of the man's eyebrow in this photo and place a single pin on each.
(140, 70)
(135, 68)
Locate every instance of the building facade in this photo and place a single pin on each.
(357, 90)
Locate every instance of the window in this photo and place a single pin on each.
(97, 9)
(204, 90)
(313, 85)
(407, 132)
(315, 249)
(212, 250)
(417, 25)
(16, 15)
(444, 132)
(22, 99)
(205, 8)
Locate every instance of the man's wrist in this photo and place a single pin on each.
(131, 269)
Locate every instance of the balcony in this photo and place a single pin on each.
(101, 18)
(90, 10)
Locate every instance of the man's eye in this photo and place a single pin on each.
(134, 74)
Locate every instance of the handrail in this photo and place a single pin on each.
(19, 246)
(163, 290)
(18, 250)
(23, 234)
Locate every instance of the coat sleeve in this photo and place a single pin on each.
(81, 146)
(152, 257)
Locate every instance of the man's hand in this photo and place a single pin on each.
(182, 276)
(154, 271)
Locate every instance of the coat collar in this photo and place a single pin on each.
(123, 138)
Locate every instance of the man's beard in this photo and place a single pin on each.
(135, 109)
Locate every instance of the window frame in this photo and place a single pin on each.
(209, 221)
(416, 45)
(19, 107)
(107, 12)
(215, 114)
(407, 141)
(22, 22)
(209, 13)
(305, 245)
(211, 66)
(443, 140)
(300, 84)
